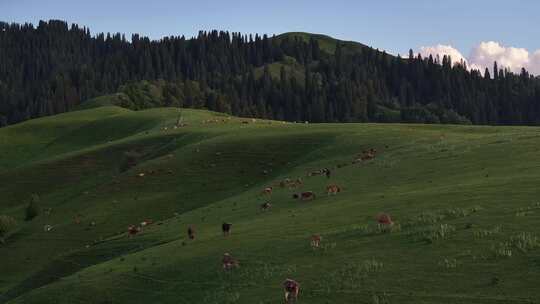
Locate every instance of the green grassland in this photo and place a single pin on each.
(464, 200)
(326, 43)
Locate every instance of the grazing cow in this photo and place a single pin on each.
(229, 262)
(384, 219)
(292, 289)
(266, 206)
(366, 156)
(309, 195)
(333, 189)
(291, 184)
(132, 230)
(267, 191)
(78, 219)
(146, 223)
(315, 173)
(316, 240)
(226, 228)
(191, 233)
(327, 172)
(47, 228)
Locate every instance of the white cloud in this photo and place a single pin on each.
(441, 50)
(534, 65)
(508, 57)
(484, 54)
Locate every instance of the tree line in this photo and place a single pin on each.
(54, 67)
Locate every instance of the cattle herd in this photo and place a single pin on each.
(291, 287)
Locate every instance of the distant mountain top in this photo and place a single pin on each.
(326, 43)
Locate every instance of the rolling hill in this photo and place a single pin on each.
(463, 199)
(326, 43)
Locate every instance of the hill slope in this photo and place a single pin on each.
(463, 199)
(326, 43)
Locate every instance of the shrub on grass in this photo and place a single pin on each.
(370, 266)
(7, 224)
(353, 275)
(525, 211)
(502, 250)
(524, 241)
(429, 218)
(434, 233)
(381, 298)
(368, 229)
(426, 218)
(381, 228)
(483, 233)
(221, 296)
(33, 209)
(325, 247)
(449, 263)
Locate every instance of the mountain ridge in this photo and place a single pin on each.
(292, 77)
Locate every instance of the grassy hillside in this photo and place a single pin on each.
(464, 201)
(290, 65)
(326, 43)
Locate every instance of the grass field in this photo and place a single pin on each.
(464, 201)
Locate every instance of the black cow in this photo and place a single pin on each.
(191, 233)
(226, 228)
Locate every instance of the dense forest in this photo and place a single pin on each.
(54, 67)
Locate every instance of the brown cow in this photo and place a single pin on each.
(292, 289)
(284, 183)
(291, 184)
(132, 230)
(333, 189)
(267, 191)
(368, 155)
(316, 240)
(229, 262)
(309, 195)
(384, 219)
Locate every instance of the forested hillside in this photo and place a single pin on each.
(54, 68)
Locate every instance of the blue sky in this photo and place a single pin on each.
(392, 25)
